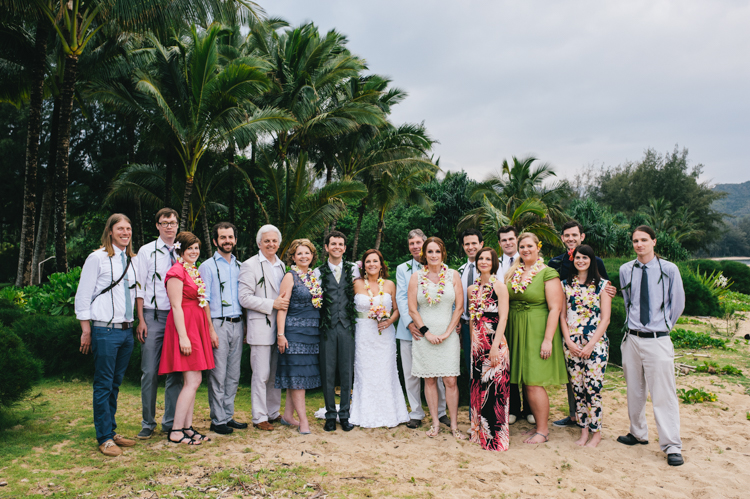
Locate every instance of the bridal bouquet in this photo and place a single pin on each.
(379, 313)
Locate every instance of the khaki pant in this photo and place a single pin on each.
(266, 399)
(648, 364)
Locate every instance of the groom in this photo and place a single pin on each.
(337, 321)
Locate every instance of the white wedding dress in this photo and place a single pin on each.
(377, 398)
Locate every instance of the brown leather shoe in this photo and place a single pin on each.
(123, 442)
(264, 425)
(110, 448)
(275, 420)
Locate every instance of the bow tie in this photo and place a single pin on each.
(570, 254)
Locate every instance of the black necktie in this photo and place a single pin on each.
(471, 275)
(171, 255)
(511, 260)
(644, 305)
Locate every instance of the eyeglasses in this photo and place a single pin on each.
(168, 224)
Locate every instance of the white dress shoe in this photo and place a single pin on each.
(511, 418)
(530, 419)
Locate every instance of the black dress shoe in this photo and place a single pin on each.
(445, 420)
(414, 423)
(237, 426)
(346, 425)
(221, 429)
(675, 459)
(629, 439)
(330, 425)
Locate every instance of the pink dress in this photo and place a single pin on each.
(196, 326)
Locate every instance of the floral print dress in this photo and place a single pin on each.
(490, 387)
(586, 375)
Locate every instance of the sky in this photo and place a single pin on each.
(573, 83)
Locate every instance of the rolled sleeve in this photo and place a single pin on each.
(208, 279)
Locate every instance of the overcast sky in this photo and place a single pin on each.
(574, 83)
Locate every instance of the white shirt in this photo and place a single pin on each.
(98, 273)
(355, 269)
(278, 267)
(464, 271)
(505, 265)
(150, 263)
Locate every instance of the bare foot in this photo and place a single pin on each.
(595, 439)
(530, 431)
(584, 437)
(537, 438)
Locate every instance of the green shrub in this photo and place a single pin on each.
(10, 315)
(615, 329)
(613, 268)
(695, 396)
(55, 298)
(739, 273)
(699, 300)
(19, 370)
(56, 342)
(684, 338)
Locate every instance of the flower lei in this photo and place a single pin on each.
(377, 312)
(192, 271)
(479, 297)
(424, 282)
(312, 284)
(584, 298)
(515, 281)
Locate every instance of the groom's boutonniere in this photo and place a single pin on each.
(262, 281)
(408, 266)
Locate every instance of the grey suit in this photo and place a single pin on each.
(337, 350)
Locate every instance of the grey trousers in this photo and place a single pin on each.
(571, 399)
(150, 358)
(224, 378)
(414, 387)
(648, 365)
(266, 399)
(337, 353)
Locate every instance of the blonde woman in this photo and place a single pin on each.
(534, 339)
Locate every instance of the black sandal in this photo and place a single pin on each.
(201, 438)
(184, 440)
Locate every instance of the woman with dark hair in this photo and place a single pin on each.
(188, 346)
(433, 307)
(377, 398)
(490, 365)
(584, 324)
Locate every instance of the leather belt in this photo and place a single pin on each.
(230, 319)
(120, 325)
(644, 334)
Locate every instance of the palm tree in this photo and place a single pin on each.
(516, 196)
(195, 103)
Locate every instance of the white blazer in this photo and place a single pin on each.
(258, 300)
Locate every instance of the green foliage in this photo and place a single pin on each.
(695, 396)
(668, 247)
(699, 300)
(19, 370)
(10, 315)
(684, 338)
(615, 329)
(688, 320)
(607, 233)
(12, 297)
(55, 341)
(57, 297)
(715, 281)
(737, 301)
(739, 273)
(713, 368)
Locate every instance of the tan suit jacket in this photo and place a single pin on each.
(258, 300)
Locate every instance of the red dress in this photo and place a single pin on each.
(196, 326)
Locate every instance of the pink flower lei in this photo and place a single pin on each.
(479, 297)
(192, 271)
(517, 284)
(379, 312)
(424, 282)
(311, 282)
(583, 297)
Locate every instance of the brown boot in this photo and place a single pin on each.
(123, 442)
(110, 448)
(264, 425)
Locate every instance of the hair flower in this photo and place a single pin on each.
(539, 245)
(177, 245)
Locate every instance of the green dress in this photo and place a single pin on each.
(527, 321)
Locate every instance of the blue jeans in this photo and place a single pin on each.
(112, 348)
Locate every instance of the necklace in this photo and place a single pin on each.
(479, 296)
(424, 282)
(518, 285)
(379, 312)
(192, 271)
(312, 284)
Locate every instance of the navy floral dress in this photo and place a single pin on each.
(298, 367)
(586, 375)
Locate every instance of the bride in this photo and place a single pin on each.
(377, 399)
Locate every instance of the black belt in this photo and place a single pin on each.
(120, 325)
(230, 319)
(644, 334)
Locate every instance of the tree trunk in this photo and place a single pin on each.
(329, 174)
(206, 232)
(379, 237)
(232, 196)
(168, 182)
(186, 204)
(48, 197)
(63, 161)
(360, 216)
(138, 215)
(26, 251)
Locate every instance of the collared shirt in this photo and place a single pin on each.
(222, 282)
(99, 272)
(664, 287)
(505, 264)
(154, 262)
(464, 271)
(403, 275)
(279, 269)
(355, 269)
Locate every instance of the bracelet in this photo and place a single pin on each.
(279, 335)
(424, 330)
